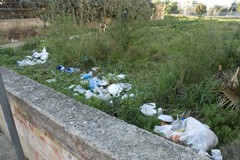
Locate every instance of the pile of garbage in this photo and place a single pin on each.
(188, 131)
(105, 88)
(35, 58)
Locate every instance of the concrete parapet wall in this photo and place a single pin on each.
(54, 126)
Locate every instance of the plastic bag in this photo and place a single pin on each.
(178, 125)
(165, 130)
(198, 136)
(148, 109)
(216, 154)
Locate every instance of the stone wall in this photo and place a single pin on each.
(54, 126)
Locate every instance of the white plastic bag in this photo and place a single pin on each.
(216, 154)
(165, 130)
(148, 109)
(198, 136)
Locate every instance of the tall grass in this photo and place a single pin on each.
(170, 62)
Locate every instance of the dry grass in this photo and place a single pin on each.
(19, 29)
(8, 24)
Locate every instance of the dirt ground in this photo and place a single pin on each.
(15, 30)
(12, 45)
(8, 24)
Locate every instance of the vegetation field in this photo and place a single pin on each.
(173, 63)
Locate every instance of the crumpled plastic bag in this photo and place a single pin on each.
(116, 89)
(216, 154)
(80, 89)
(164, 130)
(198, 136)
(148, 109)
(36, 58)
(87, 76)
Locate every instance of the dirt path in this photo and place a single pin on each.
(12, 45)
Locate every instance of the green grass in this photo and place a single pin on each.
(170, 62)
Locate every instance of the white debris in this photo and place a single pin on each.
(36, 58)
(73, 37)
(148, 109)
(216, 154)
(88, 94)
(80, 89)
(51, 80)
(70, 87)
(121, 76)
(115, 89)
(126, 86)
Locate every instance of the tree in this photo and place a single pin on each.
(223, 9)
(238, 7)
(171, 7)
(211, 11)
(217, 8)
(200, 8)
(233, 7)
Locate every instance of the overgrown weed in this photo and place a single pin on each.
(170, 62)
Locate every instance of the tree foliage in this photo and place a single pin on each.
(95, 10)
(223, 9)
(238, 7)
(200, 8)
(171, 7)
(216, 8)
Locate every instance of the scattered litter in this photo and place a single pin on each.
(198, 135)
(36, 58)
(88, 94)
(53, 72)
(70, 87)
(115, 89)
(68, 70)
(160, 111)
(115, 77)
(61, 67)
(75, 94)
(216, 154)
(125, 96)
(121, 76)
(104, 88)
(189, 131)
(148, 109)
(83, 82)
(164, 130)
(51, 80)
(74, 37)
(105, 97)
(87, 76)
(94, 69)
(166, 118)
(79, 89)
(93, 83)
(103, 83)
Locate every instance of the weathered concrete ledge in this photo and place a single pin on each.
(54, 126)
